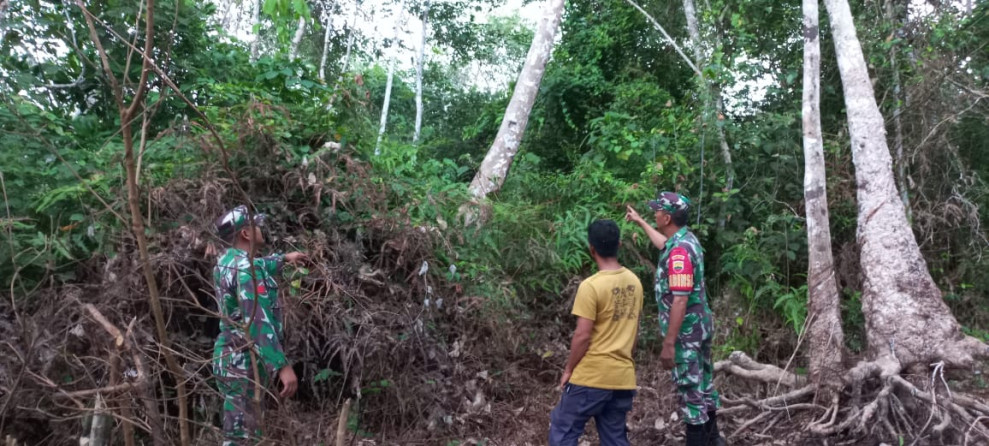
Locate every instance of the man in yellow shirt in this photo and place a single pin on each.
(599, 380)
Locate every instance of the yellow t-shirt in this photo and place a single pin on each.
(613, 300)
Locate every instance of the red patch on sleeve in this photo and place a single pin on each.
(261, 289)
(680, 270)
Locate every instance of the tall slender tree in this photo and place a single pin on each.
(350, 38)
(256, 31)
(391, 77)
(907, 321)
(328, 29)
(693, 30)
(300, 32)
(491, 175)
(127, 114)
(715, 100)
(419, 67)
(825, 336)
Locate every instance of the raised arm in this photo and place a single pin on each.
(658, 240)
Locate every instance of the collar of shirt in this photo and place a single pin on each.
(673, 241)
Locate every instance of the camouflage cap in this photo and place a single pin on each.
(669, 202)
(235, 220)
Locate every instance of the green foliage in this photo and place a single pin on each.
(792, 305)
(619, 116)
(853, 321)
(325, 374)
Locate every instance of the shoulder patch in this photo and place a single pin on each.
(680, 270)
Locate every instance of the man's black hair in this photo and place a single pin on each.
(680, 217)
(604, 237)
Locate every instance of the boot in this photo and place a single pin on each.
(696, 435)
(714, 437)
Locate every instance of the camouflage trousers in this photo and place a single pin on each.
(241, 413)
(693, 377)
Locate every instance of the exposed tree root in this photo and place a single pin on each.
(742, 365)
(877, 402)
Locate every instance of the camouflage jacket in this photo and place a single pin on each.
(680, 271)
(250, 313)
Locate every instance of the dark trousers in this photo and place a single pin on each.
(579, 404)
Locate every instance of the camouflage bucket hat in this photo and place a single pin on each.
(669, 202)
(235, 220)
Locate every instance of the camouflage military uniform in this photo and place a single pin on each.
(250, 333)
(680, 271)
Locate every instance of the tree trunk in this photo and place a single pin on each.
(907, 321)
(388, 83)
(256, 29)
(127, 113)
(350, 38)
(824, 333)
(384, 107)
(300, 31)
(491, 175)
(693, 30)
(326, 45)
(419, 67)
(723, 143)
(714, 95)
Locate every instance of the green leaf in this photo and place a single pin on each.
(325, 374)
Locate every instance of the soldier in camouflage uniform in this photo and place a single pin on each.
(686, 322)
(248, 351)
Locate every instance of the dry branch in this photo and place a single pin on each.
(742, 365)
(127, 112)
(342, 423)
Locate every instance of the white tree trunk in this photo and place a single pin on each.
(300, 31)
(723, 143)
(326, 45)
(494, 168)
(350, 39)
(388, 83)
(384, 107)
(907, 321)
(693, 31)
(419, 68)
(825, 336)
(256, 29)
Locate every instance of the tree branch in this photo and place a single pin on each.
(667, 36)
(142, 84)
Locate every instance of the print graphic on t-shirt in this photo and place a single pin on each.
(624, 299)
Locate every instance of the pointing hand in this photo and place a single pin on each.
(631, 215)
